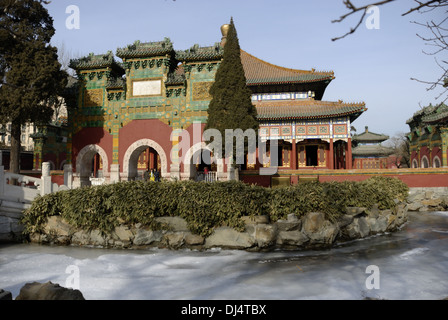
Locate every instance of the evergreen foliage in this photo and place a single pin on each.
(31, 73)
(206, 206)
(231, 106)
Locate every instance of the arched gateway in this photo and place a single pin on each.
(139, 102)
(84, 161)
(130, 160)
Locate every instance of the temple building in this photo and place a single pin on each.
(429, 137)
(368, 152)
(131, 113)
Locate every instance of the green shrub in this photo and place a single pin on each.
(206, 206)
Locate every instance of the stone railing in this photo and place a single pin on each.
(207, 177)
(17, 197)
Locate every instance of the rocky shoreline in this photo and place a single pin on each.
(310, 231)
(428, 199)
(313, 230)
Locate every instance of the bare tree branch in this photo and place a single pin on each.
(427, 4)
(354, 10)
(437, 38)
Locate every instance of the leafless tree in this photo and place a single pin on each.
(401, 147)
(64, 56)
(437, 37)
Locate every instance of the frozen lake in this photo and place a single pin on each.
(410, 264)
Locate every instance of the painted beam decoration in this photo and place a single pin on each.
(337, 129)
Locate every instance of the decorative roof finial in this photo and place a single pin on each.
(224, 31)
(367, 129)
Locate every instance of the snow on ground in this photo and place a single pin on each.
(412, 264)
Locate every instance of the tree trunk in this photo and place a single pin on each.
(14, 165)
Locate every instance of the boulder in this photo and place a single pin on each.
(291, 238)
(415, 197)
(359, 228)
(415, 206)
(265, 235)
(146, 237)
(377, 225)
(432, 202)
(345, 220)
(373, 212)
(96, 238)
(80, 238)
(292, 223)
(174, 223)
(193, 239)
(5, 295)
(57, 226)
(174, 240)
(48, 291)
(318, 229)
(226, 237)
(123, 233)
(10, 229)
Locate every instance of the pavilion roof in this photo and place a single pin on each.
(197, 53)
(146, 49)
(93, 61)
(372, 150)
(307, 109)
(259, 72)
(368, 136)
(430, 115)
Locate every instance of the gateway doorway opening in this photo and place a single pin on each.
(311, 156)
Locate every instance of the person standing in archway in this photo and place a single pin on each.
(156, 175)
(146, 175)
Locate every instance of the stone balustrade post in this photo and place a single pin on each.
(68, 176)
(46, 185)
(114, 173)
(2, 180)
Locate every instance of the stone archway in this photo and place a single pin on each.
(189, 164)
(84, 163)
(133, 152)
(436, 163)
(425, 162)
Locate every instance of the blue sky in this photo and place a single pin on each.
(372, 65)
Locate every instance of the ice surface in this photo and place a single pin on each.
(412, 265)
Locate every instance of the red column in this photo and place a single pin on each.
(95, 165)
(348, 155)
(148, 163)
(331, 155)
(152, 160)
(294, 155)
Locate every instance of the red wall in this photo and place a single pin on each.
(144, 129)
(414, 178)
(87, 136)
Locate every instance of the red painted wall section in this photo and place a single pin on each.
(57, 177)
(414, 155)
(152, 129)
(412, 180)
(195, 135)
(96, 136)
(436, 152)
(263, 181)
(424, 151)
